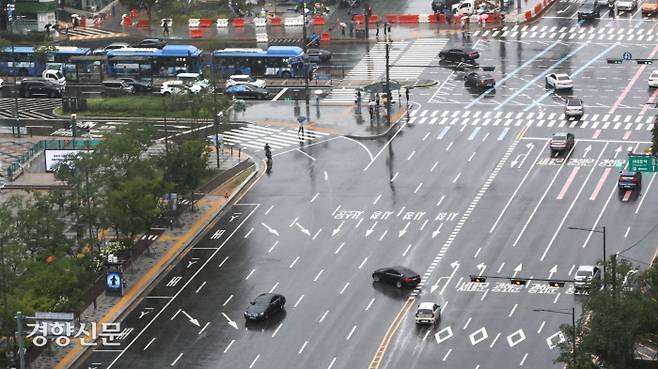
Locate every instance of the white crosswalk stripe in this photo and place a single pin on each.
(373, 65)
(347, 96)
(86, 33)
(625, 122)
(607, 33)
(255, 137)
(29, 108)
(421, 53)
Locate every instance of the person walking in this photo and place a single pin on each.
(300, 130)
(342, 26)
(377, 32)
(351, 27)
(406, 93)
(165, 28)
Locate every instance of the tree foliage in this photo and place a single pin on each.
(42, 52)
(186, 165)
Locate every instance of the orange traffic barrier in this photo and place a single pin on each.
(127, 21)
(436, 18)
(456, 19)
(196, 33)
(528, 15)
(205, 22)
(408, 18)
(275, 21)
(318, 20)
(537, 9)
(391, 18)
(134, 13)
(238, 22)
(143, 23)
(326, 37)
(359, 19)
(373, 19)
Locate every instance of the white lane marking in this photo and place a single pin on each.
(653, 176)
(307, 155)
(200, 287)
(333, 361)
(229, 346)
(363, 262)
(556, 298)
(293, 263)
(297, 218)
(302, 348)
(274, 287)
(627, 230)
(445, 357)
(277, 330)
(471, 157)
(323, 316)
(227, 300)
(484, 295)
(339, 247)
(370, 304)
(318, 275)
(523, 360)
(223, 261)
(351, 333)
(494, 340)
(204, 328)
(377, 199)
(315, 197)
(344, 288)
(513, 309)
(254, 362)
(411, 155)
(541, 327)
(316, 234)
(250, 273)
(457, 177)
(177, 358)
(298, 301)
(283, 91)
(467, 323)
(406, 250)
(273, 246)
(148, 344)
(501, 267)
(434, 166)
(248, 233)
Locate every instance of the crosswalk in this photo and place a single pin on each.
(624, 122)
(91, 33)
(347, 96)
(574, 33)
(255, 137)
(373, 65)
(420, 54)
(28, 108)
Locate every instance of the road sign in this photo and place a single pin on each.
(627, 55)
(615, 61)
(642, 163)
(644, 61)
(114, 282)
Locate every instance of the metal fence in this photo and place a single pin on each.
(14, 169)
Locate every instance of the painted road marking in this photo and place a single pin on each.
(503, 134)
(567, 184)
(443, 133)
(482, 333)
(441, 337)
(511, 341)
(600, 183)
(474, 133)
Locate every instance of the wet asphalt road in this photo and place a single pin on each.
(465, 186)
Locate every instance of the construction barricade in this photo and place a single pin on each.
(205, 22)
(359, 18)
(222, 22)
(126, 20)
(238, 22)
(193, 23)
(261, 38)
(408, 18)
(318, 20)
(260, 22)
(326, 37)
(134, 13)
(196, 33)
(392, 18)
(293, 21)
(276, 21)
(143, 23)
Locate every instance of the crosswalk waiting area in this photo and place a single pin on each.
(255, 137)
(91, 33)
(573, 33)
(531, 119)
(28, 108)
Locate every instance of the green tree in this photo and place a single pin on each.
(186, 165)
(42, 52)
(654, 140)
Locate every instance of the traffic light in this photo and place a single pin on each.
(518, 281)
(615, 61)
(478, 279)
(556, 284)
(644, 61)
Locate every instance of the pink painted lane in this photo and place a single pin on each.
(568, 183)
(599, 184)
(596, 134)
(651, 103)
(630, 84)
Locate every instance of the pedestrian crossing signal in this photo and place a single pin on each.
(478, 279)
(518, 282)
(644, 61)
(614, 61)
(556, 284)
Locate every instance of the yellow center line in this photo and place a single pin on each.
(522, 133)
(390, 332)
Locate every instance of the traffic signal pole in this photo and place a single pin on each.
(388, 88)
(305, 65)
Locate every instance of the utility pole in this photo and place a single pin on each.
(573, 334)
(164, 109)
(89, 201)
(601, 230)
(305, 64)
(368, 11)
(388, 78)
(18, 117)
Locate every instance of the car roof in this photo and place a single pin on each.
(560, 134)
(628, 173)
(266, 296)
(404, 270)
(426, 305)
(561, 75)
(586, 268)
(188, 75)
(237, 76)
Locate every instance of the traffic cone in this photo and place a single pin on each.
(226, 195)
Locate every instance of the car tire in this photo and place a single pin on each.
(167, 93)
(398, 284)
(376, 278)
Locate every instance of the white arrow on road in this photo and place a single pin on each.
(232, 323)
(192, 320)
(587, 150)
(271, 230)
(517, 270)
(481, 267)
(552, 271)
(402, 232)
(530, 147)
(333, 233)
(437, 230)
(617, 151)
(455, 266)
(563, 10)
(372, 229)
(304, 230)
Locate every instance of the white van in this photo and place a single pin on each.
(55, 76)
(465, 7)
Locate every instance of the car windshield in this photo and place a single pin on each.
(562, 78)
(424, 312)
(583, 273)
(560, 137)
(573, 103)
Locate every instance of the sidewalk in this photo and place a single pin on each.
(146, 268)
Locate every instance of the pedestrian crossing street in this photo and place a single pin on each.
(91, 33)
(347, 96)
(255, 137)
(531, 119)
(572, 33)
(29, 108)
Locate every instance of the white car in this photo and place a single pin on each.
(584, 277)
(559, 81)
(177, 87)
(2, 83)
(626, 5)
(428, 313)
(653, 79)
(193, 81)
(244, 79)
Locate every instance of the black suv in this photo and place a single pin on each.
(459, 55)
(39, 87)
(629, 180)
(589, 10)
(479, 80)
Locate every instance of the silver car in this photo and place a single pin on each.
(574, 108)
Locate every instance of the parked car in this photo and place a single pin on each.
(246, 91)
(398, 276)
(440, 5)
(264, 306)
(653, 79)
(589, 10)
(629, 180)
(156, 43)
(559, 81)
(459, 54)
(574, 108)
(650, 7)
(174, 88)
(244, 79)
(138, 85)
(54, 76)
(116, 87)
(39, 87)
(561, 142)
(112, 46)
(626, 5)
(584, 277)
(194, 81)
(428, 313)
(479, 80)
(318, 55)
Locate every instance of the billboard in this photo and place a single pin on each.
(55, 157)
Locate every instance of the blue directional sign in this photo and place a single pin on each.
(114, 282)
(628, 55)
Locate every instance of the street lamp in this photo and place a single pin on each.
(601, 230)
(573, 324)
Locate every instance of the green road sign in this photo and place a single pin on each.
(615, 61)
(642, 163)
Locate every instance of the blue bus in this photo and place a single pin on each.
(19, 60)
(150, 62)
(276, 61)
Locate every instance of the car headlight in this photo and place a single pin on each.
(261, 314)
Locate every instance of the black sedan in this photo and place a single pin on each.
(247, 91)
(398, 276)
(138, 85)
(264, 305)
(318, 55)
(479, 80)
(459, 55)
(156, 43)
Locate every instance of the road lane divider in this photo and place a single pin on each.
(599, 184)
(630, 84)
(567, 184)
(390, 332)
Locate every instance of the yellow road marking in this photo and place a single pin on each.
(522, 133)
(390, 332)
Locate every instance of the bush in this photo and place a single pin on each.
(152, 106)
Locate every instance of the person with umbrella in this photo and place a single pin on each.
(301, 120)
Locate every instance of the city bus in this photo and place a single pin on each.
(19, 60)
(276, 61)
(150, 62)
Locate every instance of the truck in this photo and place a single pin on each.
(470, 7)
(55, 76)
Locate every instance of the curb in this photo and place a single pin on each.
(384, 134)
(157, 277)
